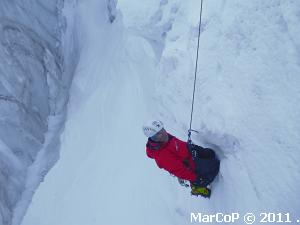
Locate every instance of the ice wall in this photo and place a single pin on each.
(32, 88)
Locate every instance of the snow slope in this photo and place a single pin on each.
(246, 108)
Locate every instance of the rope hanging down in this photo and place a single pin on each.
(195, 78)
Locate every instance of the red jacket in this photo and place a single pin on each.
(173, 156)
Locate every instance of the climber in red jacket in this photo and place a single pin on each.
(175, 156)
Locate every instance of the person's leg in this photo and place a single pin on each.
(205, 153)
(207, 170)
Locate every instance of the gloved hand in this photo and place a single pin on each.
(182, 182)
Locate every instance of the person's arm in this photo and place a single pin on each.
(183, 151)
(177, 168)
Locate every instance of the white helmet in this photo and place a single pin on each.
(152, 127)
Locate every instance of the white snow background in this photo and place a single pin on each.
(136, 62)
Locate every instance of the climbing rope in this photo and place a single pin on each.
(195, 78)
